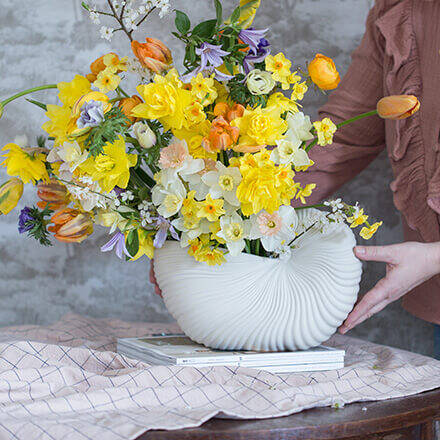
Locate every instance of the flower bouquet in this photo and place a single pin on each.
(201, 167)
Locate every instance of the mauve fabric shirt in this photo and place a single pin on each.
(399, 54)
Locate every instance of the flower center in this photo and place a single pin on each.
(226, 182)
(234, 232)
(104, 163)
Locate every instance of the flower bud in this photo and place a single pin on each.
(322, 71)
(144, 135)
(53, 194)
(10, 194)
(128, 104)
(71, 226)
(397, 106)
(153, 54)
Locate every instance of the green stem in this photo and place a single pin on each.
(257, 247)
(346, 122)
(26, 92)
(318, 205)
(123, 92)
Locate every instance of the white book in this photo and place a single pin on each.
(180, 350)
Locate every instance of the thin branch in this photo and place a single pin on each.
(120, 21)
(145, 16)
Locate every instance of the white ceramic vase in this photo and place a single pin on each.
(264, 304)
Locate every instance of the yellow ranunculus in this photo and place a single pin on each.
(58, 124)
(323, 73)
(260, 126)
(112, 167)
(203, 89)
(368, 232)
(194, 114)
(146, 246)
(10, 194)
(27, 166)
(71, 91)
(325, 130)
(164, 101)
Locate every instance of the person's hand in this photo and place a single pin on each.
(153, 280)
(408, 265)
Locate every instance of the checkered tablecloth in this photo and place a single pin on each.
(65, 381)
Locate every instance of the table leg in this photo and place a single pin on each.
(427, 431)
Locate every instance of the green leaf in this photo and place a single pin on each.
(37, 103)
(182, 22)
(85, 6)
(229, 66)
(235, 15)
(132, 242)
(219, 12)
(4, 196)
(205, 29)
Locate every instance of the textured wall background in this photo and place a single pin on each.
(50, 41)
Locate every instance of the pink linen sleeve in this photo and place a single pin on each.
(356, 145)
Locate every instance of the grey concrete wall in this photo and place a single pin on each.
(48, 41)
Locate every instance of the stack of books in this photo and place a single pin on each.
(180, 350)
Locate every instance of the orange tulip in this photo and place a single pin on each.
(221, 136)
(71, 226)
(53, 194)
(128, 104)
(153, 54)
(229, 113)
(322, 71)
(398, 106)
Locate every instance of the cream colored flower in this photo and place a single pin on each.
(260, 82)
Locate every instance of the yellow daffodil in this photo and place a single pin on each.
(325, 130)
(204, 253)
(280, 66)
(278, 101)
(358, 218)
(112, 167)
(71, 91)
(368, 232)
(58, 124)
(194, 114)
(211, 209)
(10, 194)
(305, 192)
(29, 167)
(164, 101)
(264, 185)
(298, 91)
(194, 137)
(107, 81)
(203, 89)
(146, 246)
(114, 63)
(260, 126)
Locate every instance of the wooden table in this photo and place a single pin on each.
(396, 419)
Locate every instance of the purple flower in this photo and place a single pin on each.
(25, 220)
(210, 54)
(252, 38)
(117, 240)
(263, 51)
(92, 114)
(163, 226)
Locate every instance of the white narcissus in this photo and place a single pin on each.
(169, 198)
(234, 230)
(188, 234)
(223, 183)
(275, 230)
(290, 152)
(300, 127)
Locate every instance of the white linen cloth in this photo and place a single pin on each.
(64, 381)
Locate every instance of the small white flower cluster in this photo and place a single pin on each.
(134, 66)
(127, 196)
(144, 211)
(130, 11)
(89, 193)
(337, 215)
